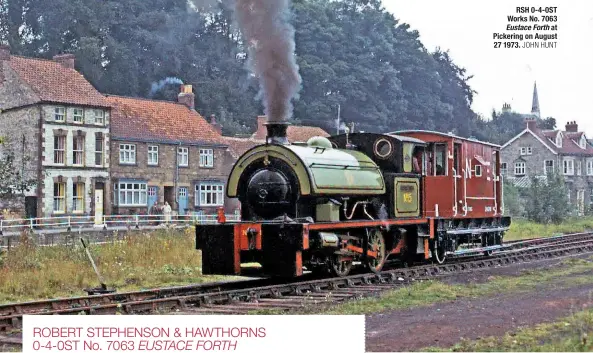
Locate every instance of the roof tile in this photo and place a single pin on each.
(135, 118)
(53, 82)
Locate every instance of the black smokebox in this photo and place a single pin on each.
(277, 133)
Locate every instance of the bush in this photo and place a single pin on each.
(547, 200)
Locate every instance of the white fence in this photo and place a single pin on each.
(75, 223)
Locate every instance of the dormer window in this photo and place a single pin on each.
(559, 139)
(583, 142)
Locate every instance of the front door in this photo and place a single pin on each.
(153, 194)
(182, 201)
(31, 206)
(98, 206)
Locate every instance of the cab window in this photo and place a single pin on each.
(440, 159)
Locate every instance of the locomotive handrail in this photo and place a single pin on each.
(335, 166)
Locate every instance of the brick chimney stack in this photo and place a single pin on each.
(531, 123)
(66, 60)
(215, 125)
(187, 97)
(4, 52)
(572, 126)
(4, 56)
(261, 120)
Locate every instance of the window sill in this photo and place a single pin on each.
(209, 205)
(207, 167)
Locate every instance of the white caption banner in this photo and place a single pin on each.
(176, 333)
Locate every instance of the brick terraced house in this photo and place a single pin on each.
(53, 114)
(165, 151)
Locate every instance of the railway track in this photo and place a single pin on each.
(249, 295)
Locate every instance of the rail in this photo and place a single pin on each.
(67, 223)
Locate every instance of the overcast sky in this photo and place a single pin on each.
(465, 27)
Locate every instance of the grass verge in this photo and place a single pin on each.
(141, 260)
(571, 334)
(524, 229)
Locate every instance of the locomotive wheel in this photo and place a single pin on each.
(340, 267)
(438, 252)
(375, 241)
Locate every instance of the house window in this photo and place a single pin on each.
(549, 167)
(568, 166)
(478, 171)
(559, 139)
(78, 150)
(578, 163)
(153, 155)
(59, 149)
(591, 196)
(503, 168)
(183, 156)
(583, 142)
(206, 158)
(127, 154)
(526, 151)
(589, 166)
(95, 116)
(99, 150)
(132, 194)
(60, 114)
(520, 168)
(210, 194)
(78, 197)
(59, 197)
(99, 117)
(78, 115)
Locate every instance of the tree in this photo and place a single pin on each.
(12, 181)
(548, 123)
(512, 200)
(351, 53)
(547, 200)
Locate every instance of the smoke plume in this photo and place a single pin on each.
(203, 4)
(270, 39)
(157, 86)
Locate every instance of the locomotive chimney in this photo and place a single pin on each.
(277, 132)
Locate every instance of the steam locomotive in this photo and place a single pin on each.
(331, 204)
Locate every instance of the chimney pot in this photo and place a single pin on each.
(187, 97)
(572, 126)
(4, 52)
(66, 60)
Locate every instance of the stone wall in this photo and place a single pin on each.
(534, 163)
(20, 128)
(13, 93)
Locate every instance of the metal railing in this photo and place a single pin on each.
(69, 223)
